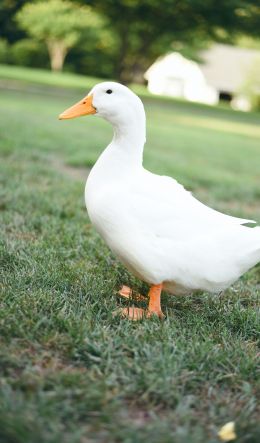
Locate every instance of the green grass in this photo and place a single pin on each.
(46, 78)
(70, 371)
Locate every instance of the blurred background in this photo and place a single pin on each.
(199, 51)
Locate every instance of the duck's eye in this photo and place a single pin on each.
(109, 91)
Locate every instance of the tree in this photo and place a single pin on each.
(59, 24)
(251, 86)
(147, 28)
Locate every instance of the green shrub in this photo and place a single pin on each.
(4, 51)
(28, 52)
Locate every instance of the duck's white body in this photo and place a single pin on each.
(156, 228)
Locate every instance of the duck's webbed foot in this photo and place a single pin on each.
(133, 313)
(158, 314)
(127, 292)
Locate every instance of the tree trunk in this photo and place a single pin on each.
(132, 63)
(138, 70)
(57, 52)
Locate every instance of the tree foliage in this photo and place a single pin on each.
(120, 38)
(58, 23)
(148, 28)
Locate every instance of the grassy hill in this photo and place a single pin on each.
(70, 371)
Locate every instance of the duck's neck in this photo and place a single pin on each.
(124, 155)
(129, 139)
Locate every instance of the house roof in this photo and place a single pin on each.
(226, 67)
(174, 64)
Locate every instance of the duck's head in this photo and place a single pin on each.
(110, 100)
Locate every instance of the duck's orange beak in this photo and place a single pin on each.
(83, 107)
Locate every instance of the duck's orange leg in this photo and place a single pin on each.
(154, 308)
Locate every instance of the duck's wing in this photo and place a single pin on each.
(200, 210)
(161, 203)
(162, 233)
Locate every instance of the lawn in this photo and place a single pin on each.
(70, 371)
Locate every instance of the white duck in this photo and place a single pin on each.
(158, 230)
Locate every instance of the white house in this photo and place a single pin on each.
(223, 71)
(176, 76)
